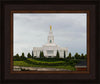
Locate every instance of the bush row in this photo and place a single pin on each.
(31, 61)
(56, 63)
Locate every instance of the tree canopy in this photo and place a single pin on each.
(32, 54)
(41, 54)
(29, 55)
(64, 54)
(57, 55)
(69, 56)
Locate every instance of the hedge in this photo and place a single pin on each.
(32, 61)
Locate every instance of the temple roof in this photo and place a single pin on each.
(50, 44)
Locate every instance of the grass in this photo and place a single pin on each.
(33, 60)
(38, 62)
(32, 63)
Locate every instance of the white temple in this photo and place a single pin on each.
(50, 49)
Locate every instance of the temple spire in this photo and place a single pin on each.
(50, 36)
(50, 27)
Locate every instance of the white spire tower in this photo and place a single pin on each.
(50, 36)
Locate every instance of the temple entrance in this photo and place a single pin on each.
(49, 52)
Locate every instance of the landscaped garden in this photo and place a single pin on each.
(59, 63)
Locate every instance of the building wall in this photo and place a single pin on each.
(36, 51)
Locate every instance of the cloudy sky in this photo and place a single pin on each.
(31, 30)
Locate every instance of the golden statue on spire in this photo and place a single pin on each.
(50, 27)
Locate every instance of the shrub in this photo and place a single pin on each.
(37, 62)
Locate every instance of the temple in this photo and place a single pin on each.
(50, 49)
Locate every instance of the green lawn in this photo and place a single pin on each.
(38, 63)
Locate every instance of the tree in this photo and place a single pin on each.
(57, 55)
(29, 55)
(82, 56)
(85, 56)
(77, 56)
(69, 56)
(64, 54)
(32, 54)
(72, 57)
(16, 57)
(41, 54)
(23, 56)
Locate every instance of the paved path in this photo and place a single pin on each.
(18, 68)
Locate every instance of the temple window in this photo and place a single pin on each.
(50, 41)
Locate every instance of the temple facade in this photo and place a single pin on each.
(50, 49)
